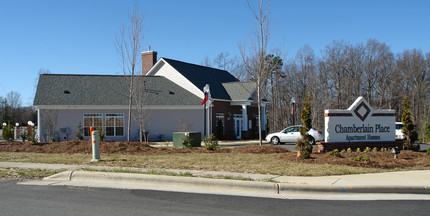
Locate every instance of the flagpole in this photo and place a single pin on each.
(204, 111)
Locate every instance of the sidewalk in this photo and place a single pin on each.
(391, 185)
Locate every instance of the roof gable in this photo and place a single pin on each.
(240, 91)
(199, 76)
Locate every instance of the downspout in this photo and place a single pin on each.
(39, 125)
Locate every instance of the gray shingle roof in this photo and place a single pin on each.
(62, 89)
(201, 75)
(239, 91)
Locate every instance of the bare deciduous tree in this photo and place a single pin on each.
(254, 53)
(141, 114)
(14, 101)
(49, 123)
(128, 45)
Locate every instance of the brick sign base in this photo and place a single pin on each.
(326, 147)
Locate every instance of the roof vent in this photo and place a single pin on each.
(66, 92)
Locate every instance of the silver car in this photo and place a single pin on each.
(292, 134)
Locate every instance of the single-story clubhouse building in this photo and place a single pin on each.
(173, 94)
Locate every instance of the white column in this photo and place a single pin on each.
(39, 125)
(208, 121)
(244, 118)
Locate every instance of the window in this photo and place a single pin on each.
(220, 117)
(92, 120)
(115, 124)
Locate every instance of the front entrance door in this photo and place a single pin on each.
(238, 126)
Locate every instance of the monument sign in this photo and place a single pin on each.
(359, 123)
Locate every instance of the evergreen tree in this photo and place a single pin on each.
(7, 132)
(304, 145)
(425, 133)
(408, 126)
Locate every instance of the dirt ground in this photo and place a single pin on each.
(383, 160)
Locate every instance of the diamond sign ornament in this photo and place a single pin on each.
(362, 111)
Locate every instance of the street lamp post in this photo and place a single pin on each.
(293, 102)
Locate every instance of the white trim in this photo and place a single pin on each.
(83, 121)
(155, 107)
(157, 65)
(175, 77)
(114, 117)
(244, 117)
(240, 103)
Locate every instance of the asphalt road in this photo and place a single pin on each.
(58, 200)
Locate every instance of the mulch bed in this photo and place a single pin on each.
(383, 160)
(109, 147)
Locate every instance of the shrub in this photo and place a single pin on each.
(367, 149)
(211, 142)
(23, 135)
(305, 154)
(34, 139)
(335, 153)
(187, 143)
(101, 133)
(375, 149)
(8, 133)
(363, 158)
(358, 150)
(303, 146)
(408, 126)
(425, 133)
(349, 150)
(79, 132)
(343, 151)
(428, 151)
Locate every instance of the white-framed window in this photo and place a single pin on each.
(114, 124)
(92, 120)
(220, 117)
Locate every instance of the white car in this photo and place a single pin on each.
(292, 134)
(399, 133)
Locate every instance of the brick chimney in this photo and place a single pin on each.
(149, 58)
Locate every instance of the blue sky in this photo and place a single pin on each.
(77, 37)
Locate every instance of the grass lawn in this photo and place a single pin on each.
(21, 173)
(240, 162)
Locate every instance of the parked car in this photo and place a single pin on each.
(399, 133)
(292, 134)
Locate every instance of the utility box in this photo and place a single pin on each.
(178, 138)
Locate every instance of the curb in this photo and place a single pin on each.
(145, 180)
(227, 185)
(338, 189)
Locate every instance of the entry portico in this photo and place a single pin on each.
(234, 103)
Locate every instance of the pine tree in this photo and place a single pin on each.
(408, 126)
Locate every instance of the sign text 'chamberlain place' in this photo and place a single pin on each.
(359, 123)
